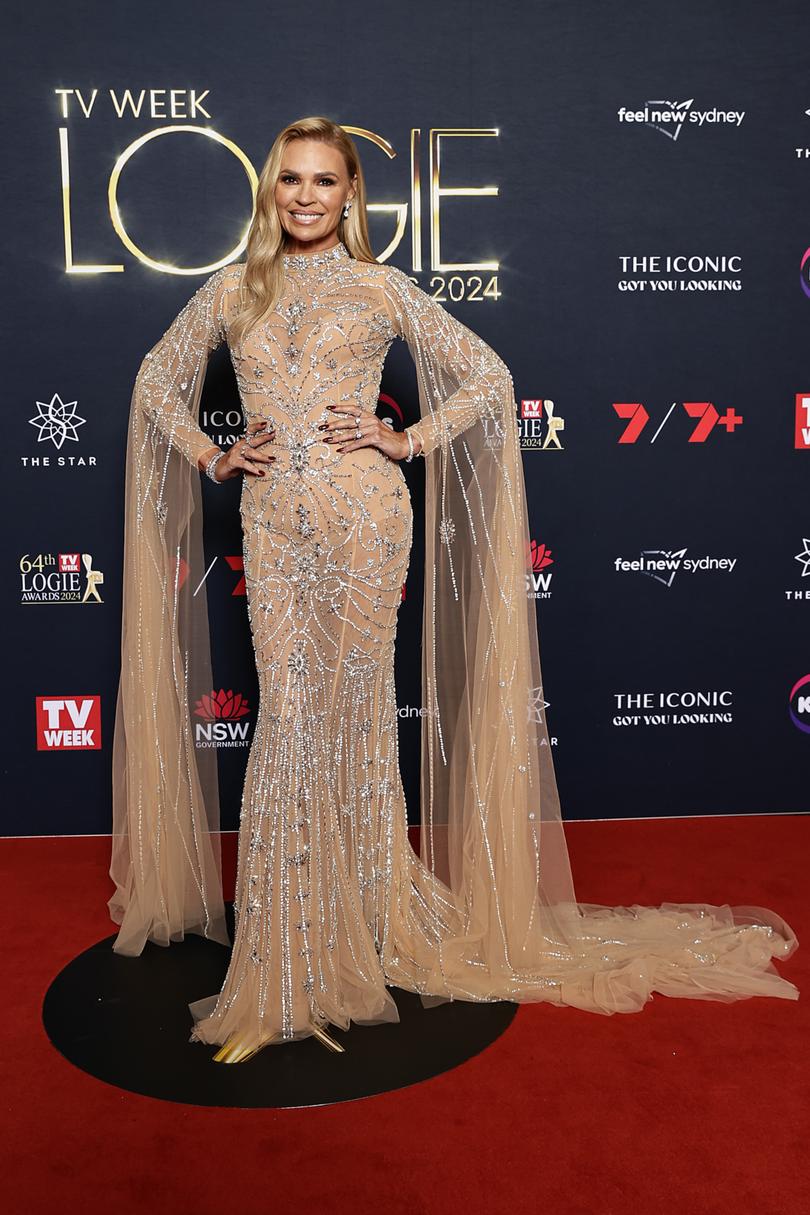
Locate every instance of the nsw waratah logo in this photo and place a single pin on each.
(799, 707)
(221, 719)
(538, 575)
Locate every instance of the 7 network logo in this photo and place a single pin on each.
(707, 418)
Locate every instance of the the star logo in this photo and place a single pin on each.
(57, 421)
(804, 558)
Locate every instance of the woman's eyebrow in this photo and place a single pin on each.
(320, 173)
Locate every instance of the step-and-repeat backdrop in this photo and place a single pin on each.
(617, 198)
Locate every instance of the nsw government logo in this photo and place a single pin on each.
(220, 719)
(538, 576)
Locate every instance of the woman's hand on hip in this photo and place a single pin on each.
(351, 427)
(245, 455)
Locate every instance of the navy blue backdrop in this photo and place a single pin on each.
(616, 197)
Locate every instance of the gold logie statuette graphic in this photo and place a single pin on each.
(93, 579)
(399, 211)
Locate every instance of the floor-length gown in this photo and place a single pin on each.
(332, 904)
(327, 536)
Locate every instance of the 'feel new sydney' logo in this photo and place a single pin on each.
(670, 117)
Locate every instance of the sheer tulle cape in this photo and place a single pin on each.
(166, 862)
(491, 818)
(500, 898)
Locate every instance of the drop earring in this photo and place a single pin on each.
(346, 210)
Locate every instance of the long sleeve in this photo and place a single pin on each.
(483, 380)
(169, 372)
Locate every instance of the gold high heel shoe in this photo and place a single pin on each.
(234, 1050)
(320, 1033)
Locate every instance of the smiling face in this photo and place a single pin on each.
(312, 188)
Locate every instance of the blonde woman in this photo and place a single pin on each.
(332, 904)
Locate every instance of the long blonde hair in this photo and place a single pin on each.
(263, 275)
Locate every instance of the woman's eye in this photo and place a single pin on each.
(328, 181)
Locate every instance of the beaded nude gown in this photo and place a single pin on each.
(332, 903)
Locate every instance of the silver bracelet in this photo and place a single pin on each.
(211, 465)
(409, 437)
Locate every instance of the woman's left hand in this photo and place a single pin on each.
(349, 419)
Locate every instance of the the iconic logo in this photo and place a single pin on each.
(59, 578)
(538, 575)
(716, 272)
(221, 721)
(663, 564)
(670, 117)
(223, 426)
(799, 704)
(534, 412)
(706, 415)
(675, 708)
(68, 723)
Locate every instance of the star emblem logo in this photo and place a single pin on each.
(804, 557)
(57, 420)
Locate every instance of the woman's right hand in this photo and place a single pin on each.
(242, 457)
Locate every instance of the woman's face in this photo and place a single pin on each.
(312, 187)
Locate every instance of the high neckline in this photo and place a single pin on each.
(303, 261)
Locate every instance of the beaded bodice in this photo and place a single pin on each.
(325, 343)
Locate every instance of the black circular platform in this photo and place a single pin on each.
(126, 1021)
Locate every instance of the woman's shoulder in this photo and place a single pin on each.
(400, 282)
(228, 275)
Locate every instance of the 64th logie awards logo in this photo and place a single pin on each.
(59, 578)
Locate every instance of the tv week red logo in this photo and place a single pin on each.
(802, 431)
(68, 723)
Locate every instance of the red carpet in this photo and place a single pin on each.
(688, 1107)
